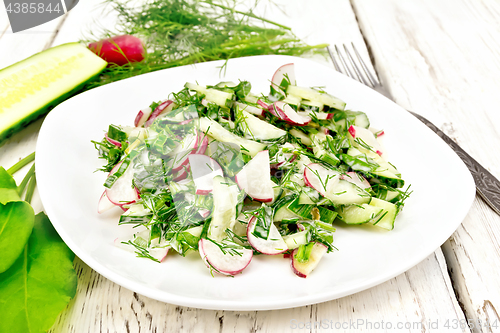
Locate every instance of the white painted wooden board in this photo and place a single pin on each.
(442, 59)
(424, 293)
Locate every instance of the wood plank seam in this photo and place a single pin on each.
(58, 28)
(373, 59)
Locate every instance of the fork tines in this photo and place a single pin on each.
(352, 69)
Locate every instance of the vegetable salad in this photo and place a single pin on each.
(231, 174)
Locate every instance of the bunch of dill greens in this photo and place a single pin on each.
(182, 32)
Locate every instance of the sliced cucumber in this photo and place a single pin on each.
(358, 214)
(316, 96)
(293, 100)
(254, 128)
(218, 97)
(346, 193)
(297, 239)
(225, 194)
(308, 196)
(284, 214)
(311, 106)
(361, 119)
(215, 130)
(301, 136)
(30, 88)
(386, 220)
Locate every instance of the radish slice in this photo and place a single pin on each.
(274, 244)
(264, 105)
(164, 107)
(204, 169)
(318, 115)
(304, 269)
(202, 146)
(356, 179)
(180, 175)
(204, 213)
(285, 71)
(179, 156)
(367, 137)
(320, 178)
(123, 191)
(104, 204)
(281, 157)
(159, 253)
(113, 141)
(224, 263)
(288, 114)
(255, 178)
(142, 117)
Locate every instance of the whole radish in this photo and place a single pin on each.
(119, 50)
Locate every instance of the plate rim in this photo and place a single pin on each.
(248, 305)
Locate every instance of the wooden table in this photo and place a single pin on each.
(439, 58)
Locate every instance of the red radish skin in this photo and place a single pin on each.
(179, 157)
(112, 141)
(272, 246)
(319, 115)
(352, 131)
(304, 269)
(104, 204)
(203, 145)
(287, 113)
(285, 70)
(204, 213)
(264, 105)
(159, 253)
(180, 175)
(164, 107)
(184, 122)
(225, 264)
(326, 178)
(367, 137)
(122, 192)
(119, 50)
(142, 117)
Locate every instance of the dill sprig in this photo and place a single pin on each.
(182, 32)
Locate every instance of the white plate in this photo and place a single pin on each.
(443, 191)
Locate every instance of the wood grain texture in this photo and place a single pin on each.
(415, 300)
(441, 59)
(421, 295)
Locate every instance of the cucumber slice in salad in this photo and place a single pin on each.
(202, 167)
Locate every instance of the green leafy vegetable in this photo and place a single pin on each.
(183, 32)
(8, 188)
(39, 284)
(16, 223)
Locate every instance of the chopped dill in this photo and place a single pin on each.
(182, 32)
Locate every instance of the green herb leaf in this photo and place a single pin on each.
(183, 32)
(8, 188)
(38, 286)
(16, 223)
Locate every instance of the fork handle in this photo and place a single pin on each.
(487, 186)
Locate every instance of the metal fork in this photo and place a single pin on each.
(487, 186)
